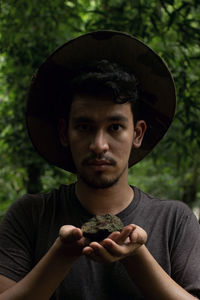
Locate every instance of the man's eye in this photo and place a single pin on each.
(83, 127)
(115, 127)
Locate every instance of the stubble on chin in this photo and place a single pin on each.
(99, 180)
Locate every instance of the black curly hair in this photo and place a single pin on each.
(104, 78)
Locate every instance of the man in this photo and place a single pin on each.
(97, 106)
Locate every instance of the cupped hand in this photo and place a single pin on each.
(118, 245)
(72, 240)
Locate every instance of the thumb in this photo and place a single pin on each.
(69, 233)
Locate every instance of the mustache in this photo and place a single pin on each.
(95, 157)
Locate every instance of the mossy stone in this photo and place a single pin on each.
(99, 227)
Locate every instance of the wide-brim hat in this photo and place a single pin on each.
(159, 99)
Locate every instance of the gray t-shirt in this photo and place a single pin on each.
(32, 224)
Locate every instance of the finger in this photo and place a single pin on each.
(127, 231)
(90, 253)
(113, 248)
(87, 250)
(138, 236)
(114, 235)
(99, 253)
(122, 237)
(70, 233)
(134, 237)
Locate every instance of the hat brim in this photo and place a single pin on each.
(151, 71)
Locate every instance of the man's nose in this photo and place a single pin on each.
(99, 143)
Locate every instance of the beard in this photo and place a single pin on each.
(99, 180)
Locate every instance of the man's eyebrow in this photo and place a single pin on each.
(82, 119)
(114, 118)
(118, 118)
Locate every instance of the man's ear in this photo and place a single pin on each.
(139, 131)
(62, 130)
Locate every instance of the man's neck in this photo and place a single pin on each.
(102, 201)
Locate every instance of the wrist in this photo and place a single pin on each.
(136, 256)
(60, 251)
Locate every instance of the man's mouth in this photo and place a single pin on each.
(99, 165)
(98, 162)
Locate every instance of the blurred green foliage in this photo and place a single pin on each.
(30, 30)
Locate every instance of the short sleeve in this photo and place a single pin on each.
(185, 257)
(17, 235)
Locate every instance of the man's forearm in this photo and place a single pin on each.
(152, 280)
(45, 277)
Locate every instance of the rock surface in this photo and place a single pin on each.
(99, 227)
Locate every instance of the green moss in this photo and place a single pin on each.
(99, 227)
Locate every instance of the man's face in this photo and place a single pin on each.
(100, 135)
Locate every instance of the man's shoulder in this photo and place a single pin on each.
(164, 204)
(41, 200)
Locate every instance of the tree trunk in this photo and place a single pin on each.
(34, 184)
(189, 194)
